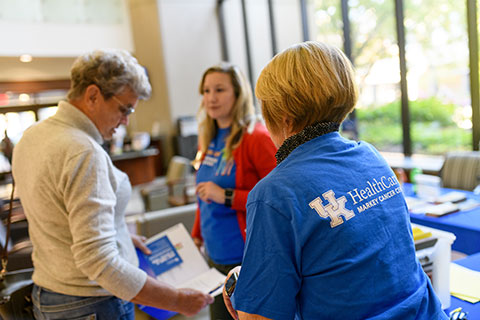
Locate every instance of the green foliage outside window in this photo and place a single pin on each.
(434, 130)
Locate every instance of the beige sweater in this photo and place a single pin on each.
(74, 200)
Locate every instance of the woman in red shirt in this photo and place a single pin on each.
(235, 152)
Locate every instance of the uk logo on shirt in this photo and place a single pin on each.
(372, 194)
(335, 208)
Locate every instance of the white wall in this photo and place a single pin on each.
(288, 24)
(175, 39)
(259, 32)
(288, 27)
(180, 39)
(191, 44)
(60, 28)
(232, 11)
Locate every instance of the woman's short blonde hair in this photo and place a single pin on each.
(243, 109)
(307, 83)
(111, 70)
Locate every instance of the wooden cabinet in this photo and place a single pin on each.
(140, 166)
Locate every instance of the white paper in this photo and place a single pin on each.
(464, 281)
(442, 209)
(453, 196)
(204, 281)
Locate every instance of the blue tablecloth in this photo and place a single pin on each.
(464, 224)
(473, 309)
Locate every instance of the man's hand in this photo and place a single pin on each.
(158, 294)
(191, 301)
(139, 242)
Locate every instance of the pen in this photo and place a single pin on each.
(216, 288)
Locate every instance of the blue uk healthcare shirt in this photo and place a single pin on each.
(329, 237)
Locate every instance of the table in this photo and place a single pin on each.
(429, 164)
(464, 224)
(471, 262)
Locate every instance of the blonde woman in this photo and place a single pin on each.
(235, 152)
(328, 230)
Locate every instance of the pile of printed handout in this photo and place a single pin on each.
(464, 283)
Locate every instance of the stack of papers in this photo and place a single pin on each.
(441, 209)
(464, 283)
(453, 197)
(441, 205)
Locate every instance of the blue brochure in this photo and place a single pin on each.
(164, 257)
(176, 260)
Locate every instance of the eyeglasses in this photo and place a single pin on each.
(126, 111)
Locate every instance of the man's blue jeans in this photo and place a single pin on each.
(51, 305)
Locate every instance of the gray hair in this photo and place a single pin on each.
(111, 71)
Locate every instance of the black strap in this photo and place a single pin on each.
(4, 256)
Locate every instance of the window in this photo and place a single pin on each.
(438, 75)
(375, 57)
(376, 60)
(438, 83)
(328, 22)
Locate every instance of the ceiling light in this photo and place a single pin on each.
(25, 58)
(24, 97)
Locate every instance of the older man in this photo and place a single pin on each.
(74, 200)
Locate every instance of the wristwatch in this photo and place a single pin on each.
(228, 197)
(231, 283)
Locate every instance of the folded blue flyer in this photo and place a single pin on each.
(164, 257)
(176, 261)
